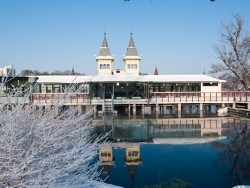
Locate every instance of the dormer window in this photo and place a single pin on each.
(132, 66)
(105, 66)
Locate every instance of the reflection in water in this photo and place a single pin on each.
(236, 153)
(178, 162)
(171, 183)
(132, 160)
(106, 159)
(146, 130)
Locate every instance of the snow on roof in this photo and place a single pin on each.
(127, 78)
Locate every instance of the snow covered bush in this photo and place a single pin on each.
(51, 146)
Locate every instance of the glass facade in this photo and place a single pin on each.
(174, 87)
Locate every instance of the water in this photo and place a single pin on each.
(191, 152)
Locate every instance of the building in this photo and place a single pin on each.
(8, 71)
(127, 91)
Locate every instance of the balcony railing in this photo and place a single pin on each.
(155, 97)
(200, 97)
(66, 99)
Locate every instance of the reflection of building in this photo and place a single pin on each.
(133, 154)
(106, 159)
(149, 129)
(132, 160)
(106, 154)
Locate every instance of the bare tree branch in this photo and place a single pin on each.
(234, 52)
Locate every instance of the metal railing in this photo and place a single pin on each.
(155, 97)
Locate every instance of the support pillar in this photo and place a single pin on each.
(234, 105)
(201, 110)
(129, 109)
(134, 109)
(80, 109)
(95, 109)
(157, 110)
(142, 109)
(179, 110)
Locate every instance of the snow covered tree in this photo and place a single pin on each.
(49, 146)
(234, 53)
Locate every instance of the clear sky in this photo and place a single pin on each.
(177, 36)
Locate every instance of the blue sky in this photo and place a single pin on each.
(177, 36)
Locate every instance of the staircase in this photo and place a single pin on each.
(107, 106)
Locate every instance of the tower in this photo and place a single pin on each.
(104, 59)
(156, 71)
(132, 59)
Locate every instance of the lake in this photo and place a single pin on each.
(176, 152)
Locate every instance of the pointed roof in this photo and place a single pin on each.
(104, 51)
(73, 71)
(131, 50)
(131, 41)
(156, 71)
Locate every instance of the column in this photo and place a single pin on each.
(134, 109)
(201, 110)
(95, 109)
(157, 109)
(142, 109)
(179, 110)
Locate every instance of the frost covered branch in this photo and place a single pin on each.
(46, 146)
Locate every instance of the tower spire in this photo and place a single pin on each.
(104, 59)
(131, 41)
(104, 51)
(105, 43)
(132, 59)
(131, 50)
(73, 71)
(156, 71)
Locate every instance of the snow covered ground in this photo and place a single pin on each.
(186, 140)
(105, 185)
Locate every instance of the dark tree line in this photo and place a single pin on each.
(28, 72)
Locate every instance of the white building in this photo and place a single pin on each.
(8, 71)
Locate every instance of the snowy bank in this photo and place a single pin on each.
(105, 185)
(186, 140)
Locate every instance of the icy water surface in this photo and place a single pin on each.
(193, 152)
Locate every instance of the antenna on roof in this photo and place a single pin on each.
(204, 72)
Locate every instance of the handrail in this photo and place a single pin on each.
(155, 97)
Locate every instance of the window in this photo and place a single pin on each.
(210, 84)
(105, 66)
(133, 153)
(132, 66)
